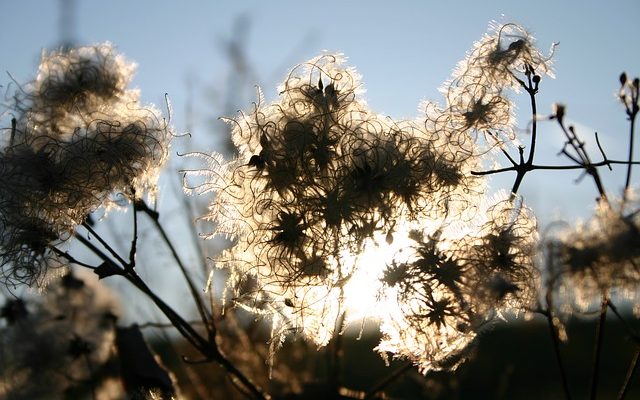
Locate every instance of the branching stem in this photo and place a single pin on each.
(208, 348)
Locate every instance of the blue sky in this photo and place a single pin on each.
(404, 50)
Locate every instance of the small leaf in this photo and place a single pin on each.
(106, 269)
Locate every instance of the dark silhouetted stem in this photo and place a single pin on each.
(631, 139)
(630, 372)
(554, 167)
(629, 328)
(141, 206)
(336, 355)
(380, 386)
(534, 124)
(583, 158)
(597, 351)
(208, 348)
(556, 348)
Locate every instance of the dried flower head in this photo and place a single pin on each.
(79, 136)
(476, 100)
(325, 193)
(455, 281)
(500, 56)
(601, 255)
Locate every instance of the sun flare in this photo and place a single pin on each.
(363, 293)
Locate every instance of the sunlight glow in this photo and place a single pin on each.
(363, 293)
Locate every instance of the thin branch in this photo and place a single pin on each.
(585, 160)
(207, 348)
(595, 165)
(595, 372)
(556, 347)
(532, 90)
(630, 331)
(502, 150)
(603, 154)
(104, 244)
(632, 113)
(534, 167)
(134, 240)
(70, 258)
(336, 354)
(183, 326)
(630, 372)
(95, 250)
(381, 385)
(204, 314)
(494, 171)
(164, 325)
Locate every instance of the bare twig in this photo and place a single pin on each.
(633, 366)
(104, 244)
(134, 240)
(595, 372)
(204, 314)
(583, 157)
(632, 111)
(336, 354)
(208, 348)
(164, 325)
(632, 332)
(381, 385)
(556, 347)
(534, 167)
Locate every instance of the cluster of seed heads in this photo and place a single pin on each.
(77, 136)
(320, 178)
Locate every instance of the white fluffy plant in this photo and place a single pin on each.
(326, 197)
(79, 135)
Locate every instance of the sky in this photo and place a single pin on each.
(404, 52)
